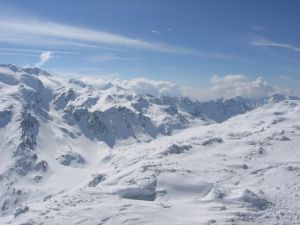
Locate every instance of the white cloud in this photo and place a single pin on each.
(239, 85)
(32, 53)
(44, 57)
(153, 87)
(285, 77)
(228, 86)
(156, 32)
(32, 28)
(258, 28)
(109, 57)
(269, 43)
(139, 85)
(35, 50)
(231, 86)
(18, 54)
(38, 32)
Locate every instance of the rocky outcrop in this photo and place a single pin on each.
(71, 159)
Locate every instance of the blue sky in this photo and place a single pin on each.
(186, 42)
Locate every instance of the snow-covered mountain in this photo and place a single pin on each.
(72, 153)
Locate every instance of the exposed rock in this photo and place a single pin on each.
(4, 205)
(5, 117)
(70, 159)
(21, 210)
(23, 165)
(42, 166)
(62, 99)
(245, 166)
(175, 149)
(96, 180)
(211, 141)
(255, 200)
(291, 168)
(37, 178)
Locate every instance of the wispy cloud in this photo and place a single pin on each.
(35, 50)
(289, 79)
(109, 57)
(258, 28)
(31, 29)
(269, 43)
(44, 57)
(156, 32)
(18, 54)
(36, 32)
(285, 77)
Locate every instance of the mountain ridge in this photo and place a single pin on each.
(58, 135)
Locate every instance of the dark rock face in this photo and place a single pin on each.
(213, 140)
(37, 178)
(25, 161)
(96, 180)
(36, 71)
(175, 149)
(23, 165)
(10, 198)
(140, 104)
(5, 117)
(41, 166)
(29, 126)
(70, 159)
(95, 124)
(145, 191)
(255, 201)
(61, 100)
(21, 210)
(26, 157)
(109, 125)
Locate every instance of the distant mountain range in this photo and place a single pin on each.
(50, 125)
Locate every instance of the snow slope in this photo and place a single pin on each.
(74, 154)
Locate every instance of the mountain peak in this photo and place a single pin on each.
(28, 70)
(11, 67)
(36, 71)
